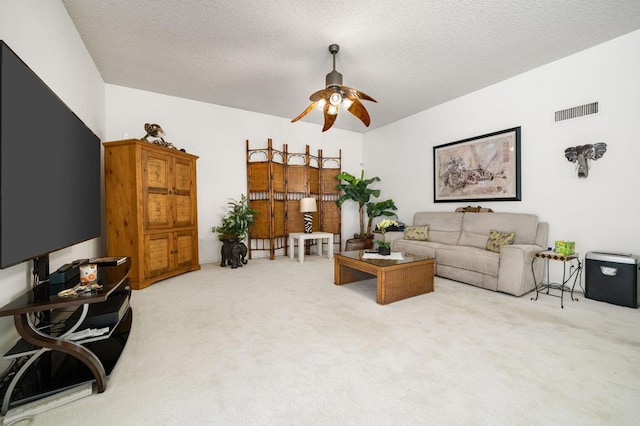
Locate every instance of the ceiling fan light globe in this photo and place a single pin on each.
(333, 110)
(335, 99)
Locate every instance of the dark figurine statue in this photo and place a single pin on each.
(239, 253)
(233, 253)
(155, 131)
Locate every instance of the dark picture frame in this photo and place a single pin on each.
(482, 168)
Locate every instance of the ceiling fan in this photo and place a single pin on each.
(337, 96)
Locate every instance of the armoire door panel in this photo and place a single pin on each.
(184, 251)
(157, 254)
(156, 170)
(183, 172)
(156, 188)
(184, 211)
(157, 211)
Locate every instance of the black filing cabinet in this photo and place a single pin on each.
(612, 278)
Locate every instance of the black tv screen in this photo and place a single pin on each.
(49, 168)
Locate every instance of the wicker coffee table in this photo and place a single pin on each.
(396, 279)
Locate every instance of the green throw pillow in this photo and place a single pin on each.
(418, 233)
(498, 239)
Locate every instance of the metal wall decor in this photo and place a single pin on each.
(484, 168)
(581, 155)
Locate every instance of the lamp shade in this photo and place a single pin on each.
(308, 205)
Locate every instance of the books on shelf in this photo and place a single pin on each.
(109, 260)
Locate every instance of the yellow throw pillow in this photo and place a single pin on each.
(498, 239)
(417, 233)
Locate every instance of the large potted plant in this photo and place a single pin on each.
(357, 189)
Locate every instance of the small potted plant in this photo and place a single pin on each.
(235, 224)
(384, 247)
(377, 209)
(233, 230)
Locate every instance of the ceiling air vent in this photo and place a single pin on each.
(575, 112)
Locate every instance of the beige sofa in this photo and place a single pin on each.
(458, 243)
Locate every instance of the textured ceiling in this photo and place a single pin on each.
(269, 56)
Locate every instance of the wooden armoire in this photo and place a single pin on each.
(151, 208)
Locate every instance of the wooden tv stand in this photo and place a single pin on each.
(53, 359)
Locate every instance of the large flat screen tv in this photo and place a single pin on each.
(49, 168)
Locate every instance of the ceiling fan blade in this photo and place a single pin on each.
(329, 119)
(351, 93)
(321, 94)
(360, 111)
(305, 112)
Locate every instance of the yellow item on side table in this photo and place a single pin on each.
(565, 247)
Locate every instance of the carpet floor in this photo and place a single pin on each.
(277, 343)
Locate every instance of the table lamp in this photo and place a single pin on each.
(307, 206)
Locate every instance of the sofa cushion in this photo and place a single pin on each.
(444, 227)
(466, 276)
(498, 239)
(469, 258)
(422, 248)
(476, 227)
(418, 233)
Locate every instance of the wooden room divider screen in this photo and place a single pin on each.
(277, 181)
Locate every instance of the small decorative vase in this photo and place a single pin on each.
(384, 251)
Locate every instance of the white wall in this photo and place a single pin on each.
(43, 36)
(599, 213)
(218, 136)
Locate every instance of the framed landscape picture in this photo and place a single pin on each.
(482, 168)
